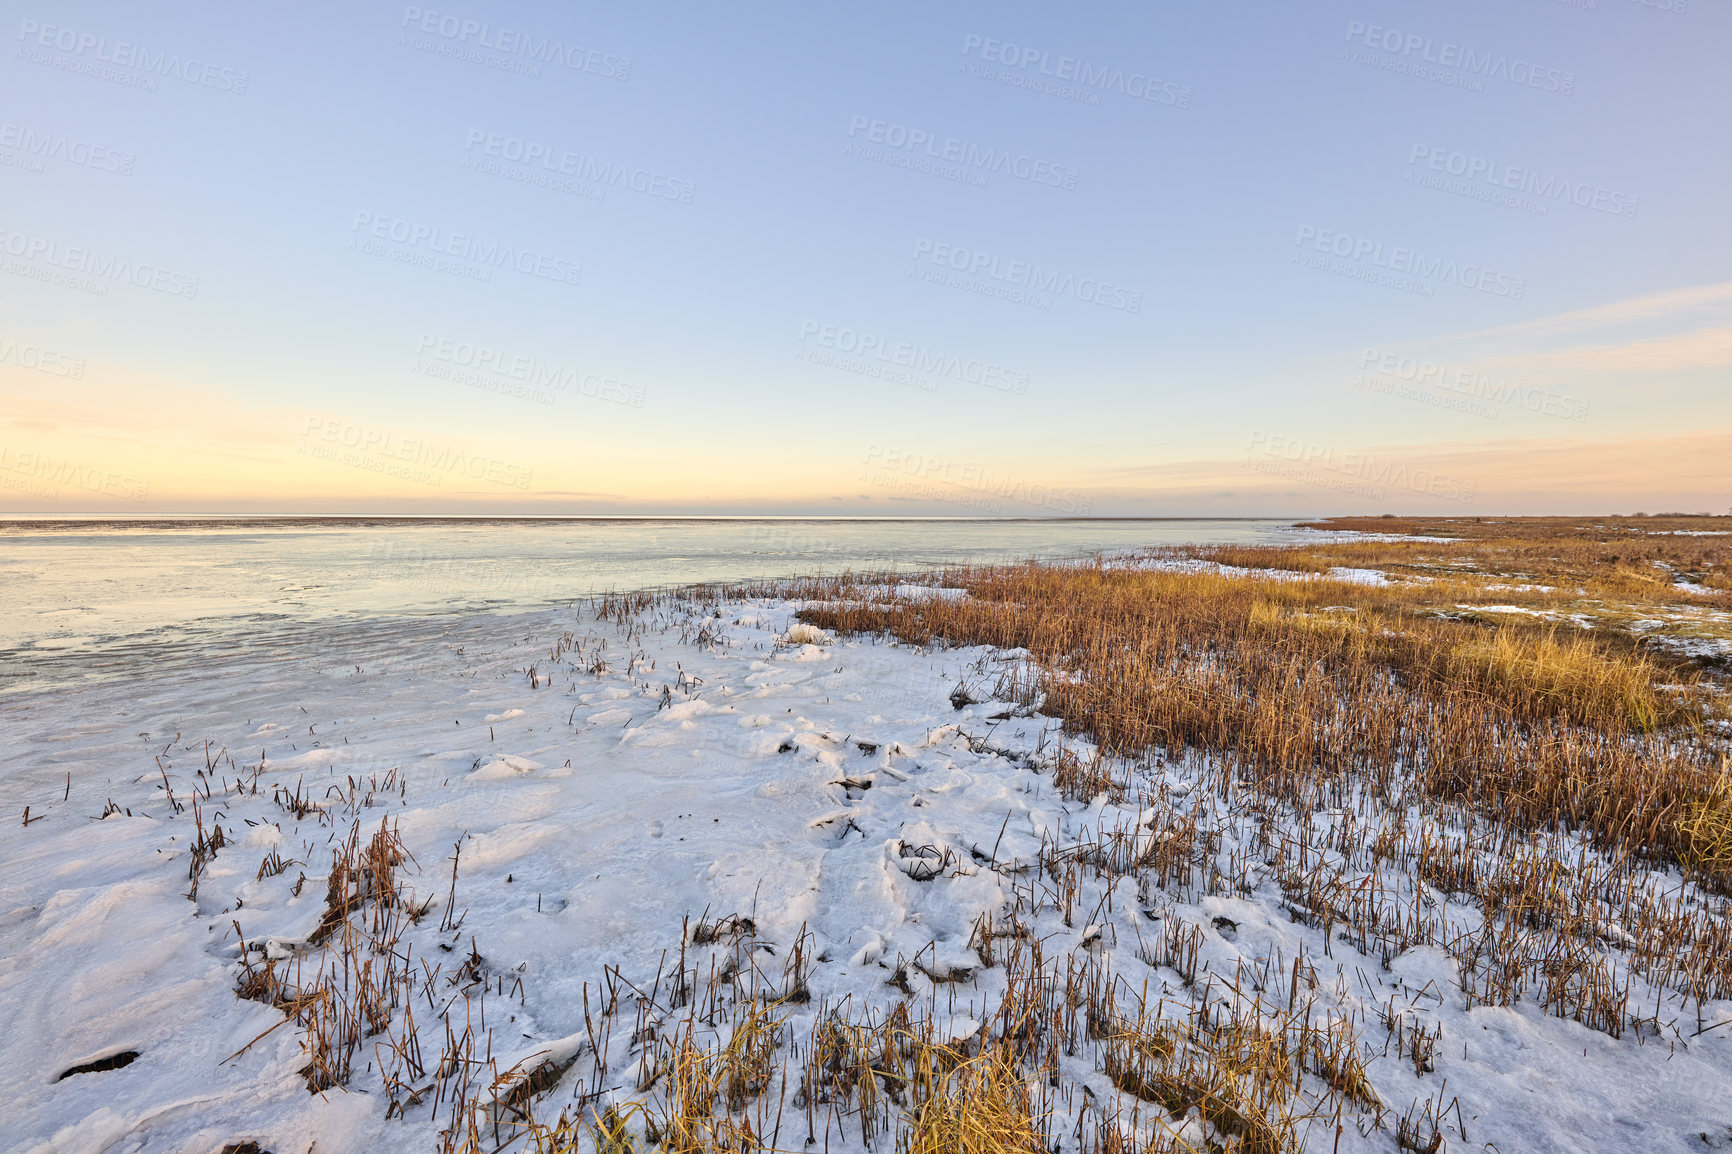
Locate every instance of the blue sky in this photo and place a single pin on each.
(1261, 258)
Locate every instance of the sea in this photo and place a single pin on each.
(105, 597)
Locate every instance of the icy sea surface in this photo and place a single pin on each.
(108, 598)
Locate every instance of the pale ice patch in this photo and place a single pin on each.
(1359, 576)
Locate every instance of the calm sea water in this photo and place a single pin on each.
(121, 591)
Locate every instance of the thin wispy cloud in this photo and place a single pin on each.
(1677, 305)
(1678, 331)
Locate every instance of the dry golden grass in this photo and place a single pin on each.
(982, 1106)
(1299, 683)
(1543, 674)
(1707, 827)
(1620, 558)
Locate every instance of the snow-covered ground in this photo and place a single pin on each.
(600, 804)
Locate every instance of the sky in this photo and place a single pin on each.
(1258, 258)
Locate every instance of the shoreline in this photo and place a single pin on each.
(677, 815)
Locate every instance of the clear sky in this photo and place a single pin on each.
(1263, 257)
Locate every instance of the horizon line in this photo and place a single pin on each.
(38, 517)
